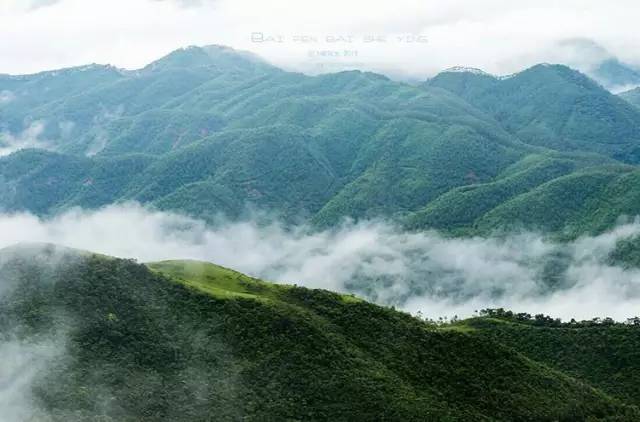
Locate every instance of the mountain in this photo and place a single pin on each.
(205, 148)
(210, 130)
(552, 106)
(548, 194)
(616, 75)
(112, 339)
(217, 58)
(598, 63)
(632, 96)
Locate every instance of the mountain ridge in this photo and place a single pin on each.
(204, 141)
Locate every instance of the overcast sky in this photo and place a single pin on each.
(414, 37)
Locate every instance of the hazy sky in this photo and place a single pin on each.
(417, 37)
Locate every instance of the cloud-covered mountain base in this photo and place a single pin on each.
(419, 272)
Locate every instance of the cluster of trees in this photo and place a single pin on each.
(601, 351)
(547, 321)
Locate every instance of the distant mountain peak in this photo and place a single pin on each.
(549, 66)
(561, 71)
(93, 67)
(540, 67)
(615, 75)
(463, 69)
(214, 56)
(599, 63)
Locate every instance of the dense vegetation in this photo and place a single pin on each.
(212, 130)
(192, 341)
(553, 106)
(632, 96)
(601, 352)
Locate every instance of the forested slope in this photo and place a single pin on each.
(192, 341)
(209, 131)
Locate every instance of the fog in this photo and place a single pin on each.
(498, 36)
(30, 137)
(39, 355)
(424, 272)
(6, 97)
(22, 362)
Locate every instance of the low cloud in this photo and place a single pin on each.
(498, 36)
(6, 97)
(21, 364)
(100, 134)
(31, 137)
(414, 271)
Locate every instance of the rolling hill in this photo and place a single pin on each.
(193, 341)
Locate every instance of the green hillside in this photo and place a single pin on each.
(614, 74)
(209, 131)
(193, 341)
(632, 96)
(553, 106)
(601, 352)
(547, 192)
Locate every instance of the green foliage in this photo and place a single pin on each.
(460, 208)
(550, 206)
(631, 96)
(600, 352)
(193, 341)
(44, 182)
(553, 106)
(626, 253)
(210, 131)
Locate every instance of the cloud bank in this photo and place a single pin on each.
(21, 364)
(498, 36)
(423, 272)
(28, 138)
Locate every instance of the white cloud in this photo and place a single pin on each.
(499, 36)
(35, 4)
(22, 362)
(416, 271)
(28, 138)
(9, 6)
(6, 97)
(189, 3)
